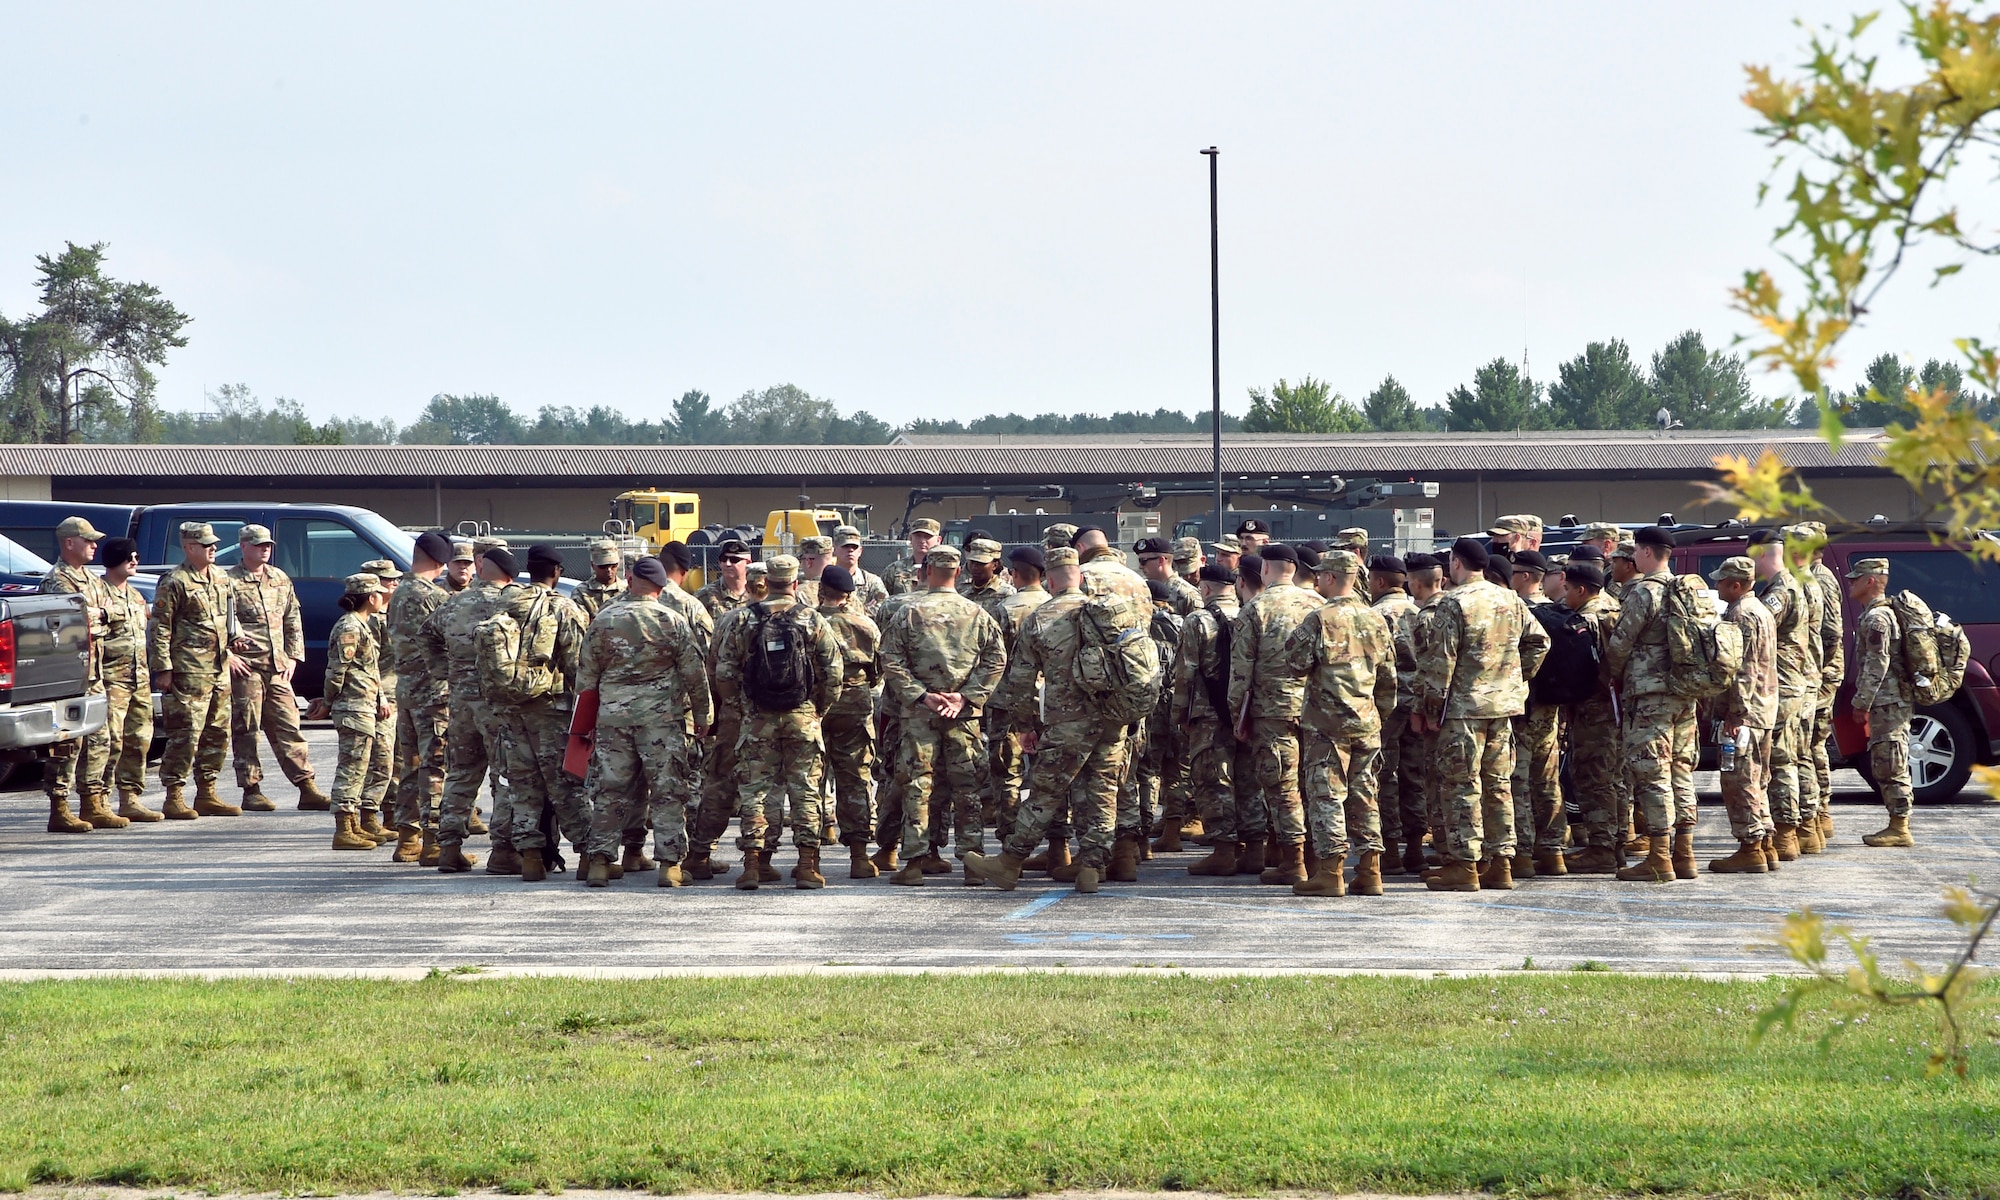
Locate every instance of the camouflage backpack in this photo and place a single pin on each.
(1934, 649)
(514, 657)
(1117, 662)
(1704, 652)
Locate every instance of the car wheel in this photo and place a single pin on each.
(1941, 755)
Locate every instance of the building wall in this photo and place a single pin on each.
(24, 487)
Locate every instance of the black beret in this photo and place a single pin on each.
(1308, 557)
(542, 553)
(1421, 561)
(1585, 552)
(733, 546)
(1081, 530)
(112, 551)
(1161, 592)
(1152, 545)
(678, 552)
(1029, 555)
(1279, 552)
(1758, 537)
(1471, 553)
(1500, 571)
(1653, 535)
(1217, 573)
(1253, 525)
(971, 536)
(1387, 564)
(1315, 545)
(837, 578)
(650, 570)
(434, 546)
(1587, 573)
(503, 559)
(1532, 560)
(1251, 566)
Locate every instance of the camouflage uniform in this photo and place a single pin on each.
(1537, 779)
(423, 704)
(127, 692)
(641, 658)
(904, 575)
(93, 754)
(889, 741)
(1347, 656)
(1883, 695)
(997, 589)
(535, 733)
(1657, 725)
(1399, 612)
(1186, 597)
(473, 737)
(720, 779)
(1257, 670)
(1752, 703)
(1482, 649)
(1798, 692)
(591, 597)
(1596, 747)
(1105, 574)
(1210, 735)
(1081, 754)
(194, 622)
(779, 751)
(719, 600)
(1417, 759)
(940, 642)
(271, 637)
(354, 692)
(1833, 671)
(1005, 765)
(1811, 803)
(869, 589)
(849, 726)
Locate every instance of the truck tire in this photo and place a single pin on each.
(1942, 753)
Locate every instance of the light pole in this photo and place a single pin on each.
(1215, 336)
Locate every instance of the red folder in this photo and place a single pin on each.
(582, 735)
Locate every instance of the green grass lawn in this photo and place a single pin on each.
(1542, 1083)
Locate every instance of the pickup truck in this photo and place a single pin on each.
(44, 672)
(318, 545)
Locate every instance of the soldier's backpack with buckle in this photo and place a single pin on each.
(780, 674)
(1570, 672)
(1117, 663)
(514, 658)
(1704, 652)
(1935, 649)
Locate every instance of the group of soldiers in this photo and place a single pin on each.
(1307, 702)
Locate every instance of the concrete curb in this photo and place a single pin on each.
(471, 972)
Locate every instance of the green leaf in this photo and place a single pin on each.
(1830, 427)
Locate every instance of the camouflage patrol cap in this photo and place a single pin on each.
(782, 569)
(1338, 562)
(77, 527)
(1601, 529)
(363, 583)
(1352, 538)
(1738, 568)
(199, 531)
(1227, 544)
(604, 554)
(480, 545)
(982, 550)
(1060, 556)
(382, 568)
(926, 525)
(846, 535)
(816, 545)
(1519, 523)
(254, 535)
(1868, 566)
(1059, 534)
(946, 555)
(758, 568)
(462, 552)
(1626, 549)
(1187, 549)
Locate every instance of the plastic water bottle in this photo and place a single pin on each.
(1728, 753)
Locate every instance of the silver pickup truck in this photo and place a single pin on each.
(44, 674)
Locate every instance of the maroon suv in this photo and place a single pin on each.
(1945, 739)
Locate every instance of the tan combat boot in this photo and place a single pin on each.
(130, 808)
(806, 876)
(1086, 879)
(371, 826)
(311, 799)
(599, 874)
(504, 860)
(453, 860)
(1895, 833)
(1523, 866)
(176, 809)
(1250, 857)
(1770, 849)
(672, 875)
(859, 865)
(1003, 872)
(1124, 861)
(1826, 825)
(635, 861)
(1219, 861)
(1808, 835)
(1592, 860)
(1454, 875)
(1550, 862)
(409, 844)
(96, 811)
(347, 834)
(698, 865)
(1683, 854)
(1057, 858)
(1413, 857)
(912, 874)
(1330, 879)
(1368, 874)
(475, 824)
(209, 804)
(1496, 874)
(1636, 844)
(1169, 841)
(1748, 860)
(933, 864)
(533, 869)
(748, 878)
(254, 800)
(1289, 869)
(1656, 867)
(62, 820)
(1787, 841)
(884, 858)
(1192, 830)
(431, 851)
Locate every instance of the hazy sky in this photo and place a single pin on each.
(920, 210)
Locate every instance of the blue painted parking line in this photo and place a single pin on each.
(1034, 906)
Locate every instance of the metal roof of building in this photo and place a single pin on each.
(961, 459)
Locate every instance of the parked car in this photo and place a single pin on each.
(1946, 740)
(44, 673)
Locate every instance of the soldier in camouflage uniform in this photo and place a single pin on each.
(780, 749)
(1596, 748)
(903, 575)
(1539, 829)
(1201, 710)
(472, 739)
(869, 590)
(720, 780)
(1104, 573)
(1472, 680)
(82, 769)
(1884, 697)
(535, 733)
(1746, 713)
(1416, 757)
(1005, 766)
(941, 659)
(423, 702)
(1657, 723)
(1275, 696)
(985, 580)
(1798, 693)
(1798, 564)
(729, 587)
(353, 697)
(378, 816)
(127, 694)
(1389, 596)
(606, 582)
(1078, 753)
(194, 623)
(641, 658)
(1833, 668)
(270, 643)
(1347, 657)
(849, 726)
(813, 555)
(1188, 562)
(1156, 562)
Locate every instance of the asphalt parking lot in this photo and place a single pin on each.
(264, 893)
